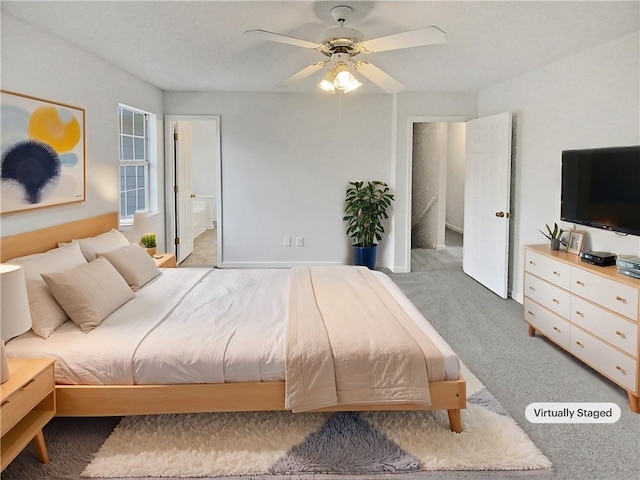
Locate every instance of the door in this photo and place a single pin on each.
(183, 194)
(487, 201)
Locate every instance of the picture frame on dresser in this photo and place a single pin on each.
(576, 239)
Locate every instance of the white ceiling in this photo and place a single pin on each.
(201, 45)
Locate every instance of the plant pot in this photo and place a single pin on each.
(555, 244)
(365, 256)
(151, 251)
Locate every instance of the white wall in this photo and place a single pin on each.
(37, 64)
(590, 99)
(455, 176)
(286, 161)
(429, 154)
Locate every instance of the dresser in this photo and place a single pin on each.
(590, 311)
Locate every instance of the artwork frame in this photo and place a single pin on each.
(576, 239)
(43, 148)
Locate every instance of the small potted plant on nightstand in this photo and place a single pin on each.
(148, 241)
(553, 235)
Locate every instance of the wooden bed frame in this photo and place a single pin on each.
(116, 400)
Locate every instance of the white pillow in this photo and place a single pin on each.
(105, 242)
(46, 314)
(134, 264)
(89, 293)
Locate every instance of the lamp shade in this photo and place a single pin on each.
(144, 222)
(15, 317)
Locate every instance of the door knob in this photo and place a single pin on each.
(193, 196)
(500, 214)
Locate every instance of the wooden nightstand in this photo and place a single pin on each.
(166, 260)
(28, 402)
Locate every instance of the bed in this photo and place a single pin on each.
(145, 387)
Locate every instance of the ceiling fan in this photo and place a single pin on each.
(341, 44)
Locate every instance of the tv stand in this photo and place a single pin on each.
(590, 311)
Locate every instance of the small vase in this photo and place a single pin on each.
(555, 244)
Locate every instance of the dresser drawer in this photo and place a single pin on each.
(548, 295)
(551, 325)
(615, 296)
(609, 361)
(606, 325)
(551, 270)
(23, 400)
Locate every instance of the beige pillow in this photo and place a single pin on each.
(105, 242)
(46, 314)
(134, 264)
(89, 293)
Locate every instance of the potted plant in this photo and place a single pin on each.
(148, 241)
(554, 235)
(365, 207)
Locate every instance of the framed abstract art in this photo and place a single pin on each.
(43, 153)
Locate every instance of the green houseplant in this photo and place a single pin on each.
(554, 235)
(365, 207)
(148, 241)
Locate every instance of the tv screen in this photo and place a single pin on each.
(601, 188)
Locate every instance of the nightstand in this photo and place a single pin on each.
(28, 402)
(165, 260)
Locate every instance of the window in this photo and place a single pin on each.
(134, 162)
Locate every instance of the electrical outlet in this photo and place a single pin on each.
(299, 241)
(287, 241)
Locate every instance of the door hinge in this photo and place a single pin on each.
(177, 241)
(175, 189)
(175, 137)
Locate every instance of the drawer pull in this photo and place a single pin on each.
(556, 273)
(556, 301)
(621, 370)
(6, 402)
(620, 334)
(531, 262)
(580, 283)
(620, 299)
(24, 387)
(578, 312)
(532, 288)
(556, 329)
(579, 344)
(531, 313)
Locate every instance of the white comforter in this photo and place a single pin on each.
(192, 325)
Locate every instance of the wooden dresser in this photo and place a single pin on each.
(590, 311)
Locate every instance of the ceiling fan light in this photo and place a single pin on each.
(327, 86)
(352, 85)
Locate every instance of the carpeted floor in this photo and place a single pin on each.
(491, 337)
(204, 250)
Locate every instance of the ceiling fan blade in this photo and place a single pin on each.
(379, 77)
(413, 38)
(276, 37)
(304, 73)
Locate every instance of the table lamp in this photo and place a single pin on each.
(15, 317)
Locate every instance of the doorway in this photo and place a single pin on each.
(193, 189)
(437, 186)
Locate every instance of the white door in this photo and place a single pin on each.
(184, 226)
(487, 201)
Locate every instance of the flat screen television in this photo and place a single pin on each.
(601, 188)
